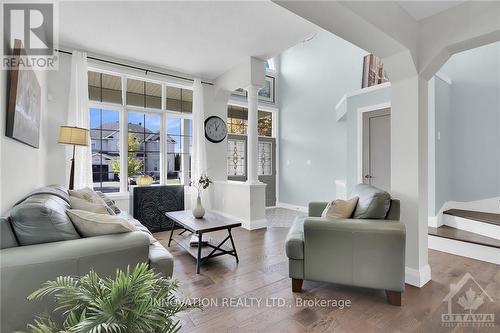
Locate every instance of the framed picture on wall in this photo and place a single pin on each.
(373, 71)
(267, 92)
(24, 106)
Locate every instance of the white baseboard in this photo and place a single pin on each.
(464, 249)
(418, 277)
(433, 221)
(245, 224)
(477, 227)
(302, 209)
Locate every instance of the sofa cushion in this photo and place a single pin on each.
(56, 190)
(41, 218)
(91, 196)
(340, 209)
(294, 245)
(160, 259)
(373, 203)
(7, 237)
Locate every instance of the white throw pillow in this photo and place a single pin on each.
(340, 209)
(91, 224)
(82, 204)
(91, 196)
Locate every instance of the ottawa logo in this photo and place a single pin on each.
(468, 305)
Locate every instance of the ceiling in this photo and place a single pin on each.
(420, 10)
(203, 39)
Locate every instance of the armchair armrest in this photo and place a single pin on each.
(366, 253)
(317, 208)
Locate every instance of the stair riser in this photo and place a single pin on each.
(477, 227)
(464, 249)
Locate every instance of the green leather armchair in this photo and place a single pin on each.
(358, 252)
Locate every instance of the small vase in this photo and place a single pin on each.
(198, 211)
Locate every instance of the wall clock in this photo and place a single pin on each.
(215, 129)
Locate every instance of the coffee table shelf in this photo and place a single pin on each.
(184, 241)
(209, 223)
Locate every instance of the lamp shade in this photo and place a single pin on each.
(73, 136)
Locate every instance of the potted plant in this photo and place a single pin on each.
(202, 184)
(135, 301)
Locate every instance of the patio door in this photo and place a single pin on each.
(237, 161)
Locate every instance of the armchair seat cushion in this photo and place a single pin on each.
(294, 245)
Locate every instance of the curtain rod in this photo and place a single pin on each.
(135, 67)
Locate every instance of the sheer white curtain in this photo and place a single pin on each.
(78, 115)
(199, 157)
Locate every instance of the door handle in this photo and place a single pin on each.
(368, 176)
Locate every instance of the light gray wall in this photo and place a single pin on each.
(443, 145)
(468, 154)
(313, 77)
(375, 97)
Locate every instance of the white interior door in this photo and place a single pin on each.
(377, 148)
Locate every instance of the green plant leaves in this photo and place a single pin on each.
(135, 301)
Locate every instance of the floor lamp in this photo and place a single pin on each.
(75, 136)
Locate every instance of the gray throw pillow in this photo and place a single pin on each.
(111, 203)
(42, 219)
(373, 203)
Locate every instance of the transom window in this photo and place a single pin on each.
(105, 88)
(143, 94)
(237, 121)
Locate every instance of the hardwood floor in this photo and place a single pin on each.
(263, 274)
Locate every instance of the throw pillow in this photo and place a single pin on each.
(91, 196)
(340, 209)
(82, 204)
(111, 203)
(373, 202)
(91, 224)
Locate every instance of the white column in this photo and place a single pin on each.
(252, 136)
(409, 171)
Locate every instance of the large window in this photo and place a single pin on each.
(179, 147)
(156, 130)
(105, 141)
(237, 120)
(143, 146)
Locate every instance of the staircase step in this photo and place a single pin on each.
(464, 236)
(464, 243)
(484, 217)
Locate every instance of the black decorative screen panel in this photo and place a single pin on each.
(150, 204)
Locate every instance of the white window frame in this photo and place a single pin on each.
(124, 109)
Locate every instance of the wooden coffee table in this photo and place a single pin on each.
(209, 223)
